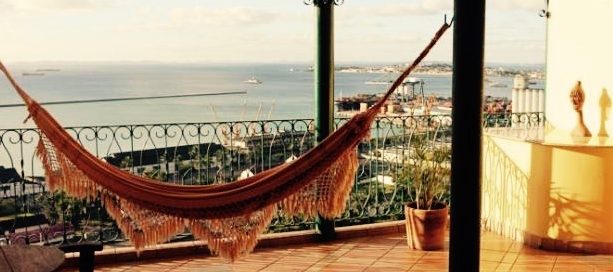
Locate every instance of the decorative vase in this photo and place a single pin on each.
(426, 228)
(577, 98)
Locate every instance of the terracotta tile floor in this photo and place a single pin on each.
(378, 253)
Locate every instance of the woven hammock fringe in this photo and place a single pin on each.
(231, 237)
(327, 194)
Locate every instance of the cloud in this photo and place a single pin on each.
(154, 18)
(237, 16)
(50, 5)
(507, 5)
(422, 7)
(379, 39)
(435, 7)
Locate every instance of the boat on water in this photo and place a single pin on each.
(379, 82)
(384, 79)
(387, 79)
(498, 85)
(252, 80)
(32, 74)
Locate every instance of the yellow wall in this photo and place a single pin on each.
(554, 191)
(579, 47)
(550, 191)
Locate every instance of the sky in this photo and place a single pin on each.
(253, 31)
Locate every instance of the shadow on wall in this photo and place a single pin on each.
(518, 201)
(571, 219)
(504, 193)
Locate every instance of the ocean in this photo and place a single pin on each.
(286, 92)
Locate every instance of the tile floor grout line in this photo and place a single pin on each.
(270, 264)
(388, 251)
(554, 263)
(503, 256)
(276, 260)
(184, 263)
(417, 261)
(317, 262)
(365, 268)
(514, 261)
(306, 269)
(334, 258)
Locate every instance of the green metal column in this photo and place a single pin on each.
(324, 87)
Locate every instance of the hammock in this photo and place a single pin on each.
(228, 216)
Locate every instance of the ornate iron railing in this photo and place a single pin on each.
(208, 153)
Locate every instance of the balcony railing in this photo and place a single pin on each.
(209, 153)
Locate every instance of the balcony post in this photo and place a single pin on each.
(323, 74)
(467, 92)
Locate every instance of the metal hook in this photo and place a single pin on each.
(545, 12)
(450, 22)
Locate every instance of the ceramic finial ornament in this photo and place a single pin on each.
(577, 97)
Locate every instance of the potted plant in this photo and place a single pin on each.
(428, 174)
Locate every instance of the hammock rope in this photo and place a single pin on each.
(228, 216)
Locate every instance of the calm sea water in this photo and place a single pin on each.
(284, 94)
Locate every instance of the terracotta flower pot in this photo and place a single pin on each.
(426, 228)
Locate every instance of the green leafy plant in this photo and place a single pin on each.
(427, 172)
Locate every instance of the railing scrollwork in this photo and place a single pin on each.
(208, 153)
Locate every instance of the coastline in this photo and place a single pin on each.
(286, 92)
